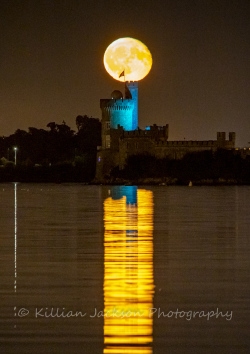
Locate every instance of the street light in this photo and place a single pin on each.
(15, 149)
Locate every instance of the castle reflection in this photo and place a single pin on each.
(128, 270)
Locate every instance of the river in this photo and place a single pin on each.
(124, 269)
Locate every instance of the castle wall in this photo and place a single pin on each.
(134, 146)
(155, 132)
(106, 161)
(135, 143)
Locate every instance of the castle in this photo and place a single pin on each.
(122, 138)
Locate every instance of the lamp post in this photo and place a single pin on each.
(15, 149)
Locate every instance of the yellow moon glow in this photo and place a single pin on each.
(130, 56)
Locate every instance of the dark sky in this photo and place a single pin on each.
(52, 63)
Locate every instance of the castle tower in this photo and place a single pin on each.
(118, 115)
(116, 112)
(119, 111)
(132, 88)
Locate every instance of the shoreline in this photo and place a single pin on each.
(162, 182)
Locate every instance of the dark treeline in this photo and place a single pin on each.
(59, 154)
(53, 155)
(207, 167)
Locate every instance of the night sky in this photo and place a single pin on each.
(52, 63)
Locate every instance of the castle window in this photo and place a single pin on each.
(107, 142)
(107, 125)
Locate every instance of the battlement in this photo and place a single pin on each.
(116, 104)
(118, 112)
(188, 143)
(152, 132)
(118, 108)
(221, 142)
(159, 137)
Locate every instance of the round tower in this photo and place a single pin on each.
(118, 112)
(115, 112)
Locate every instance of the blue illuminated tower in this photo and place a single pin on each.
(119, 111)
(132, 86)
(122, 111)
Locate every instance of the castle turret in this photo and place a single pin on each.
(232, 137)
(132, 88)
(115, 113)
(119, 111)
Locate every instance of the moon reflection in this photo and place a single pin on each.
(128, 271)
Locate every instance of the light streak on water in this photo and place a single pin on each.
(15, 250)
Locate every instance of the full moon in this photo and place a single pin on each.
(127, 59)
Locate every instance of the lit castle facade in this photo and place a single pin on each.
(122, 138)
(119, 112)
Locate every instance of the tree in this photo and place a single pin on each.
(81, 121)
(89, 134)
(52, 126)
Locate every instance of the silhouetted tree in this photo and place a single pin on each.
(81, 121)
(52, 126)
(89, 134)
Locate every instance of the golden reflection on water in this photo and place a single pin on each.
(128, 271)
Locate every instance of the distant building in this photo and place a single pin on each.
(243, 152)
(122, 138)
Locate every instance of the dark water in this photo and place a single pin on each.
(94, 269)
